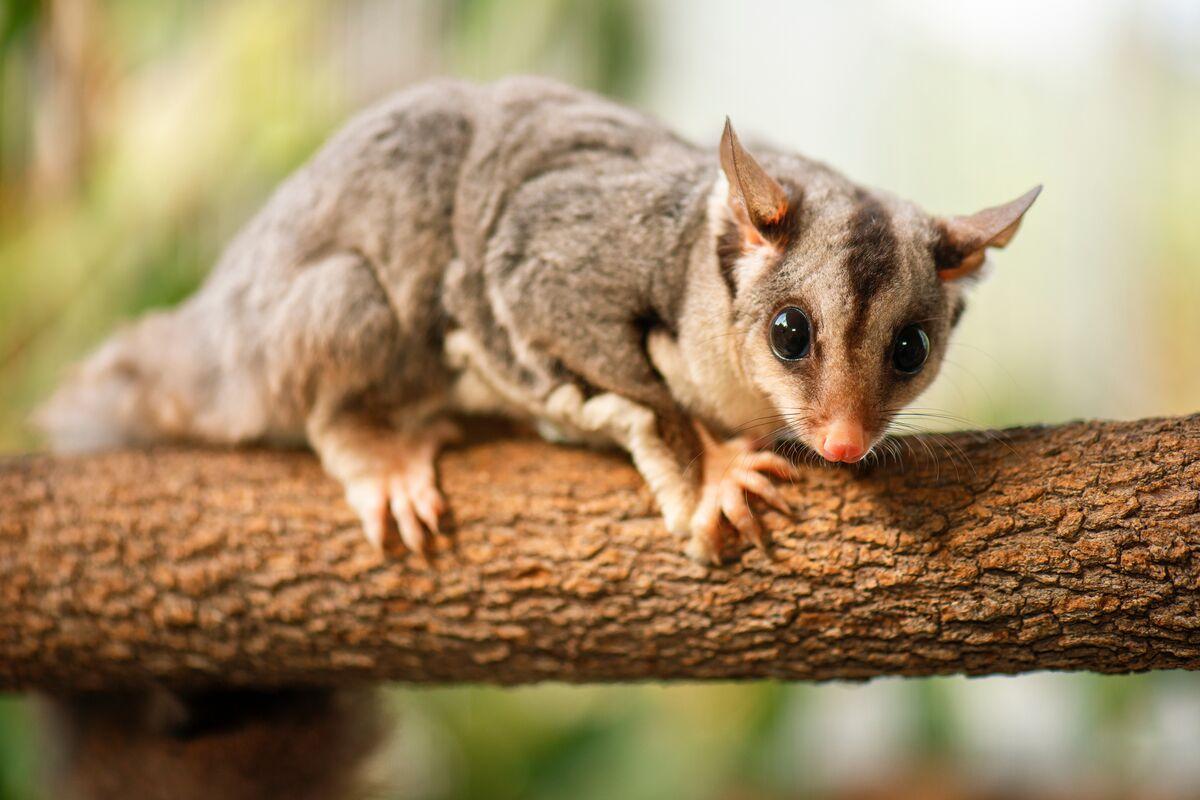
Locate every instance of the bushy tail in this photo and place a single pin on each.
(191, 373)
(121, 394)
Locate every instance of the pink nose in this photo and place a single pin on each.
(843, 441)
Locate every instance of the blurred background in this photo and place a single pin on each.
(137, 136)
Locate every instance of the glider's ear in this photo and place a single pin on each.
(757, 199)
(962, 242)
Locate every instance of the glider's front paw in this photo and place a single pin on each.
(732, 472)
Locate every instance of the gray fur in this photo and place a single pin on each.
(463, 247)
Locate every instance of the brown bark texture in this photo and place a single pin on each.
(1069, 547)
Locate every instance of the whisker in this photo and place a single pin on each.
(1003, 367)
(780, 414)
(946, 443)
(889, 445)
(920, 439)
(971, 374)
(976, 429)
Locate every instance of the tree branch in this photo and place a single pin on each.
(1074, 547)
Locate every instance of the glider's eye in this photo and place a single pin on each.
(910, 350)
(791, 334)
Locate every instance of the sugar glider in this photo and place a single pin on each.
(529, 249)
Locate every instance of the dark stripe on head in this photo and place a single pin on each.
(870, 258)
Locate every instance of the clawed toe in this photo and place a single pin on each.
(369, 501)
(706, 544)
(430, 507)
(412, 530)
(754, 483)
(736, 507)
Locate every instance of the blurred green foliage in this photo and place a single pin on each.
(602, 40)
(638, 742)
(17, 751)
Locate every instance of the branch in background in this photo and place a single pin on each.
(70, 97)
(1074, 547)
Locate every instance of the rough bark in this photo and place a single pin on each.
(1074, 547)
